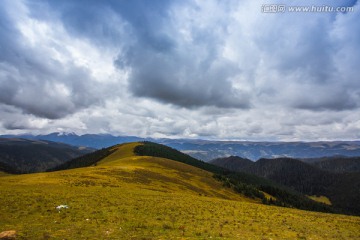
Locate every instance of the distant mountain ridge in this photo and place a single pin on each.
(207, 150)
(27, 156)
(88, 140)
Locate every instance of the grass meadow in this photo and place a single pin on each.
(131, 197)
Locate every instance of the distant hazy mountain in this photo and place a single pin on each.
(207, 150)
(343, 189)
(25, 156)
(88, 140)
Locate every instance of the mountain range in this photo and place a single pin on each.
(207, 150)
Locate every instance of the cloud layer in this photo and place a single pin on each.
(214, 69)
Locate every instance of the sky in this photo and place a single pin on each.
(180, 69)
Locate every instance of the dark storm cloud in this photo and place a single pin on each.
(15, 125)
(100, 20)
(304, 47)
(336, 100)
(13, 119)
(314, 57)
(33, 81)
(162, 67)
(184, 79)
(171, 70)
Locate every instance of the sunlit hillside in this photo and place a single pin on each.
(125, 196)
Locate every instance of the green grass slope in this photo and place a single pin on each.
(143, 197)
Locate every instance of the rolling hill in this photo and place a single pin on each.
(127, 196)
(248, 185)
(27, 156)
(343, 189)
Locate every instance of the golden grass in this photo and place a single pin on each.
(321, 199)
(268, 196)
(129, 197)
(122, 151)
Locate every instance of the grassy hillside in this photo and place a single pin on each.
(141, 197)
(244, 183)
(28, 156)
